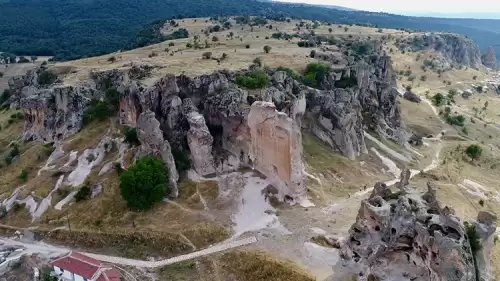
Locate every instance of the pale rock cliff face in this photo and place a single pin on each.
(200, 144)
(485, 228)
(276, 150)
(408, 236)
(489, 58)
(208, 117)
(152, 142)
(455, 48)
(55, 113)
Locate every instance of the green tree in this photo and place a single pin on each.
(145, 183)
(231, 34)
(346, 29)
(23, 60)
(1, 74)
(330, 30)
(474, 151)
(33, 58)
(267, 49)
(83, 194)
(438, 99)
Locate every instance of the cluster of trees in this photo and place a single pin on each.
(74, 29)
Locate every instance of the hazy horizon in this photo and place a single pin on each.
(459, 8)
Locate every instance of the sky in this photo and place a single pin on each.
(391, 6)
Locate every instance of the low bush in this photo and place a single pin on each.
(457, 120)
(315, 74)
(474, 151)
(255, 80)
(131, 136)
(83, 194)
(24, 175)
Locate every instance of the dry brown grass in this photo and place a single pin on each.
(88, 137)
(248, 265)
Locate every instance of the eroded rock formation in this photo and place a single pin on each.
(152, 142)
(489, 58)
(276, 149)
(209, 115)
(200, 143)
(455, 48)
(408, 236)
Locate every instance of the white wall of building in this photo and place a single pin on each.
(65, 274)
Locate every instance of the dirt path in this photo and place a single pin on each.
(54, 251)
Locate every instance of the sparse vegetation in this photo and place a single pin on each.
(438, 99)
(267, 49)
(83, 193)
(474, 151)
(131, 136)
(46, 77)
(457, 120)
(181, 158)
(145, 183)
(254, 80)
(315, 74)
(24, 175)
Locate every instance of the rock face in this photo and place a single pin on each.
(200, 143)
(408, 236)
(455, 48)
(198, 115)
(276, 150)
(152, 142)
(489, 58)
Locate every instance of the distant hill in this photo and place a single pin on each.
(494, 15)
(73, 29)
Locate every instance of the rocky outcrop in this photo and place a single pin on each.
(200, 143)
(409, 95)
(408, 236)
(456, 48)
(55, 113)
(276, 150)
(485, 227)
(152, 142)
(489, 58)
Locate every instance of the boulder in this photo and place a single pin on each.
(409, 95)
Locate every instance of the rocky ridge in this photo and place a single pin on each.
(454, 48)
(202, 116)
(407, 235)
(489, 58)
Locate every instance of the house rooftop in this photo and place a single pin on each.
(87, 267)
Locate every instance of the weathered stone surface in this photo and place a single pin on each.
(55, 113)
(152, 142)
(408, 236)
(200, 144)
(276, 150)
(485, 228)
(409, 95)
(489, 58)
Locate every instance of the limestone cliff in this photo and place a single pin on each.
(276, 149)
(210, 116)
(489, 58)
(456, 48)
(408, 236)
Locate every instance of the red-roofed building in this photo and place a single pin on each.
(78, 267)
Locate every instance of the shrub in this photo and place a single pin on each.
(46, 77)
(97, 110)
(457, 120)
(189, 45)
(4, 96)
(289, 71)
(23, 60)
(11, 154)
(474, 77)
(423, 78)
(474, 239)
(267, 49)
(481, 202)
(312, 54)
(145, 183)
(255, 80)
(112, 59)
(258, 61)
(1, 74)
(24, 175)
(171, 44)
(182, 160)
(474, 151)
(83, 194)
(247, 46)
(131, 136)
(215, 39)
(438, 99)
(207, 55)
(315, 74)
